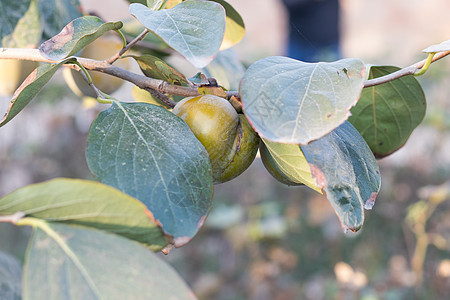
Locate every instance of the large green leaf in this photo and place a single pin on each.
(235, 28)
(343, 165)
(55, 14)
(10, 277)
(193, 28)
(75, 36)
(151, 154)
(30, 88)
(71, 262)
(387, 114)
(26, 33)
(86, 203)
(289, 101)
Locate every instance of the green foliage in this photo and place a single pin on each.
(290, 101)
(75, 36)
(156, 187)
(10, 277)
(186, 28)
(27, 22)
(387, 114)
(87, 203)
(343, 165)
(30, 88)
(83, 263)
(149, 153)
(156, 68)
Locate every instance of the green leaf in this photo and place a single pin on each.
(26, 33)
(387, 114)
(227, 69)
(10, 277)
(75, 36)
(343, 165)
(55, 14)
(86, 203)
(444, 46)
(193, 28)
(156, 68)
(71, 262)
(289, 101)
(151, 154)
(286, 161)
(30, 88)
(235, 28)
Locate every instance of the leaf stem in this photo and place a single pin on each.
(86, 76)
(405, 71)
(126, 47)
(426, 65)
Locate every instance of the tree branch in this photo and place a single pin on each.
(164, 87)
(403, 72)
(12, 218)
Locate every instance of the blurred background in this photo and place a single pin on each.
(264, 240)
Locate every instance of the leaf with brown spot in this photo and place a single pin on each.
(342, 163)
(75, 36)
(30, 88)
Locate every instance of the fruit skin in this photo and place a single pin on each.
(272, 167)
(228, 137)
(13, 73)
(245, 154)
(100, 49)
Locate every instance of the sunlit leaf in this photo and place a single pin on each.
(235, 28)
(387, 114)
(289, 101)
(30, 88)
(75, 36)
(286, 161)
(193, 28)
(343, 165)
(151, 154)
(86, 203)
(71, 262)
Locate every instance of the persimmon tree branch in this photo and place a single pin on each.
(12, 218)
(404, 72)
(163, 87)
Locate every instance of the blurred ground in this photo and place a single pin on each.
(263, 240)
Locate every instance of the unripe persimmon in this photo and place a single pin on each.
(227, 136)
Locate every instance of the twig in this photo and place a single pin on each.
(115, 57)
(161, 97)
(403, 72)
(12, 218)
